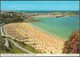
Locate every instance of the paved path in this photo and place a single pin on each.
(18, 46)
(1, 31)
(7, 41)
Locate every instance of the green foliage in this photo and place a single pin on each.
(10, 17)
(28, 47)
(14, 49)
(2, 45)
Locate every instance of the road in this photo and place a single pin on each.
(7, 41)
(1, 30)
(18, 46)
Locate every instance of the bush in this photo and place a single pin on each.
(72, 45)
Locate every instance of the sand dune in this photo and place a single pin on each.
(31, 35)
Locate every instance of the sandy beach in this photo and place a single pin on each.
(44, 16)
(36, 38)
(48, 15)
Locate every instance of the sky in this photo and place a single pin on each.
(40, 5)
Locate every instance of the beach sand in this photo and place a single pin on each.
(36, 38)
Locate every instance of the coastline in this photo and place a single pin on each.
(46, 32)
(43, 42)
(55, 16)
(43, 16)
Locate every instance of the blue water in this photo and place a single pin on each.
(62, 27)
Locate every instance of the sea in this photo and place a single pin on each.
(62, 27)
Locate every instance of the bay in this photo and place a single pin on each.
(62, 27)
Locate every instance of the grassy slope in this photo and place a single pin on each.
(14, 49)
(28, 47)
(8, 19)
(1, 45)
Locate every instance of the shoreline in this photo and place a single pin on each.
(55, 16)
(43, 41)
(46, 32)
